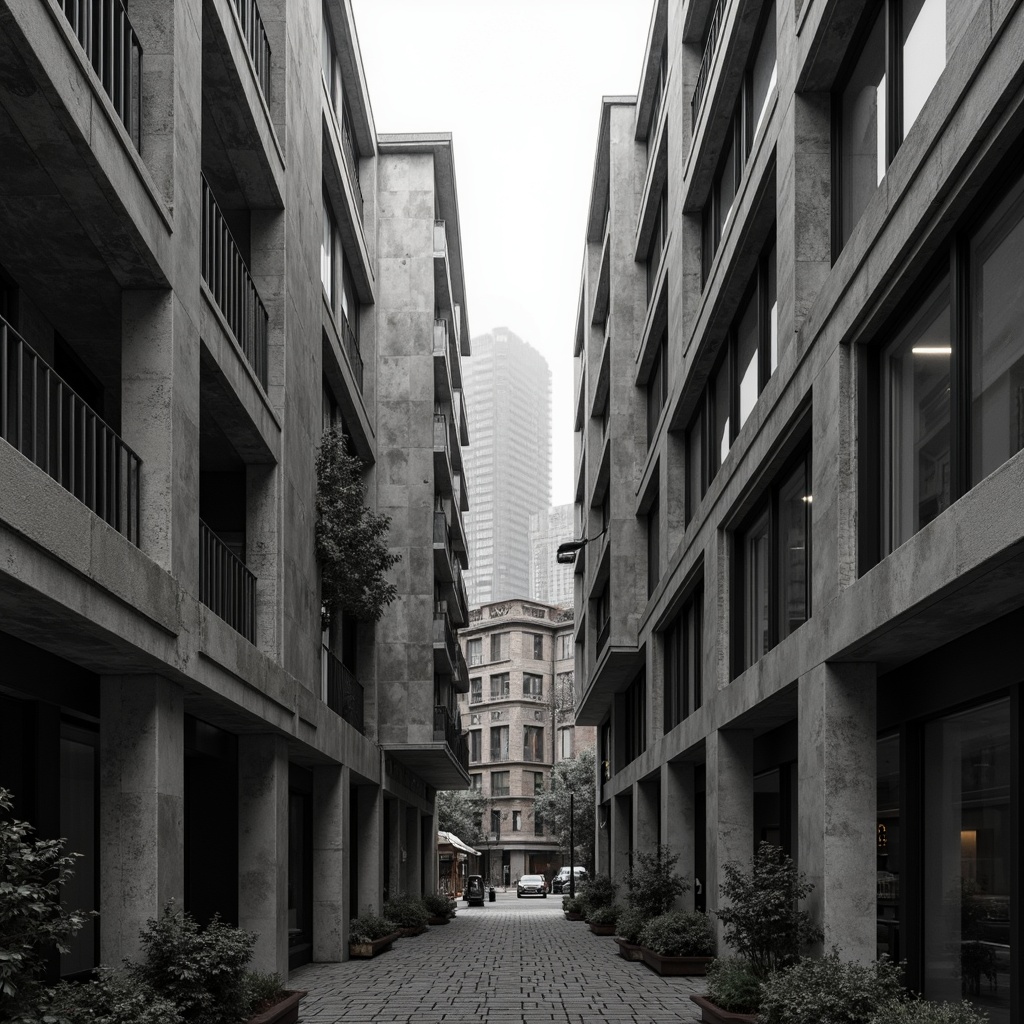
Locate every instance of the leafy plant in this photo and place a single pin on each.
(350, 538)
(630, 924)
(921, 1011)
(679, 933)
(598, 892)
(406, 910)
(109, 998)
(201, 971)
(733, 986)
(604, 916)
(573, 775)
(369, 928)
(33, 921)
(762, 921)
(262, 990)
(461, 812)
(652, 885)
(827, 990)
(438, 905)
(573, 905)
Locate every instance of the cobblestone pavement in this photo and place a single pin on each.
(510, 961)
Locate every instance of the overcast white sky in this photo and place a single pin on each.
(518, 83)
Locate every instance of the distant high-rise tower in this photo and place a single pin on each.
(508, 465)
(550, 582)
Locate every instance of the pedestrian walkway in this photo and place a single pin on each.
(510, 961)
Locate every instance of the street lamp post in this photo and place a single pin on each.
(572, 848)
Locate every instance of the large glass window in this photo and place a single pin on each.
(764, 72)
(923, 38)
(683, 661)
(476, 693)
(657, 388)
(499, 787)
(499, 646)
(474, 651)
(499, 743)
(635, 718)
(533, 743)
(475, 745)
(533, 685)
(565, 646)
(499, 685)
(653, 547)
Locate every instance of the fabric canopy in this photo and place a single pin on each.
(453, 840)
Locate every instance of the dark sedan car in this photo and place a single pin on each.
(531, 885)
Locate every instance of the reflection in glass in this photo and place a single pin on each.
(694, 490)
(765, 71)
(997, 342)
(756, 561)
(916, 380)
(721, 437)
(726, 187)
(746, 359)
(773, 311)
(924, 53)
(967, 859)
(793, 534)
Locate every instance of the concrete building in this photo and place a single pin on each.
(208, 256)
(798, 438)
(508, 467)
(520, 716)
(551, 582)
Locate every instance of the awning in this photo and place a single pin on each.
(453, 840)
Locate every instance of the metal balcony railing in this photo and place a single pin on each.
(256, 42)
(440, 431)
(444, 634)
(351, 161)
(113, 49)
(344, 691)
(232, 286)
(442, 531)
(226, 586)
(705, 64)
(351, 343)
(48, 423)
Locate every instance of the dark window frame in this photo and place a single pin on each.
(683, 645)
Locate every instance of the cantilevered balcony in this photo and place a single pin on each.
(51, 425)
(442, 366)
(232, 286)
(256, 42)
(105, 33)
(446, 728)
(704, 75)
(226, 586)
(443, 476)
(442, 548)
(446, 657)
(344, 691)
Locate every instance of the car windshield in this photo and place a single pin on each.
(531, 879)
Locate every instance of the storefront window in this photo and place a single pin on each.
(888, 848)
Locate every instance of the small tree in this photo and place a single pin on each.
(652, 886)
(350, 538)
(574, 775)
(461, 812)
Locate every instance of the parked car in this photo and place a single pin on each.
(531, 885)
(560, 883)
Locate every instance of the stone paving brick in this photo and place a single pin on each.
(510, 962)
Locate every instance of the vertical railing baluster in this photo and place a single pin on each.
(3, 380)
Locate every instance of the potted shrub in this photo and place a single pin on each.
(369, 935)
(408, 912)
(922, 1011)
(599, 892)
(573, 908)
(602, 920)
(652, 886)
(627, 934)
(678, 943)
(440, 908)
(733, 992)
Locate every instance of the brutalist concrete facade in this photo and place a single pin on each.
(798, 438)
(209, 257)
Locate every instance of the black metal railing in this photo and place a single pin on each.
(226, 586)
(344, 691)
(351, 343)
(352, 162)
(705, 64)
(445, 727)
(444, 634)
(256, 42)
(113, 49)
(48, 423)
(232, 286)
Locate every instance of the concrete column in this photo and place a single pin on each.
(837, 770)
(263, 848)
(430, 866)
(142, 807)
(331, 856)
(369, 840)
(413, 852)
(622, 830)
(730, 806)
(396, 838)
(646, 829)
(679, 819)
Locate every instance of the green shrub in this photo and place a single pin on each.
(201, 971)
(762, 921)
(110, 998)
(369, 928)
(406, 910)
(604, 916)
(598, 892)
(827, 990)
(438, 905)
(630, 924)
(652, 884)
(262, 990)
(921, 1011)
(733, 985)
(679, 933)
(573, 905)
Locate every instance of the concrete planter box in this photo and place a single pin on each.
(572, 915)
(408, 933)
(284, 1012)
(711, 1014)
(602, 929)
(365, 950)
(676, 966)
(628, 950)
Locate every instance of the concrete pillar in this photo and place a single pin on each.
(142, 807)
(331, 856)
(428, 852)
(730, 806)
(679, 820)
(837, 770)
(393, 824)
(621, 839)
(646, 828)
(263, 848)
(369, 840)
(413, 852)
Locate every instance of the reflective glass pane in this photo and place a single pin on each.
(773, 311)
(968, 862)
(746, 359)
(997, 342)
(721, 439)
(924, 53)
(755, 555)
(726, 186)
(765, 71)
(794, 551)
(863, 129)
(327, 252)
(916, 406)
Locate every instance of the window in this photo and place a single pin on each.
(905, 44)
(659, 95)
(476, 690)
(474, 745)
(565, 738)
(499, 686)
(329, 59)
(474, 719)
(476, 782)
(533, 743)
(635, 717)
(517, 821)
(653, 547)
(774, 565)
(499, 646)
(328, 250)
(763, 75)
(533, 685)
(536, 784)
(657, 245)
(538, 646)
(657, 388)
(602, 616)
(499, 744)
(565, 647)
(538, 823)
(683, 652)
(495, 716)
(950, 404)
(474, 651)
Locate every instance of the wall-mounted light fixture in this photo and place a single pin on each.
(566, 553)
